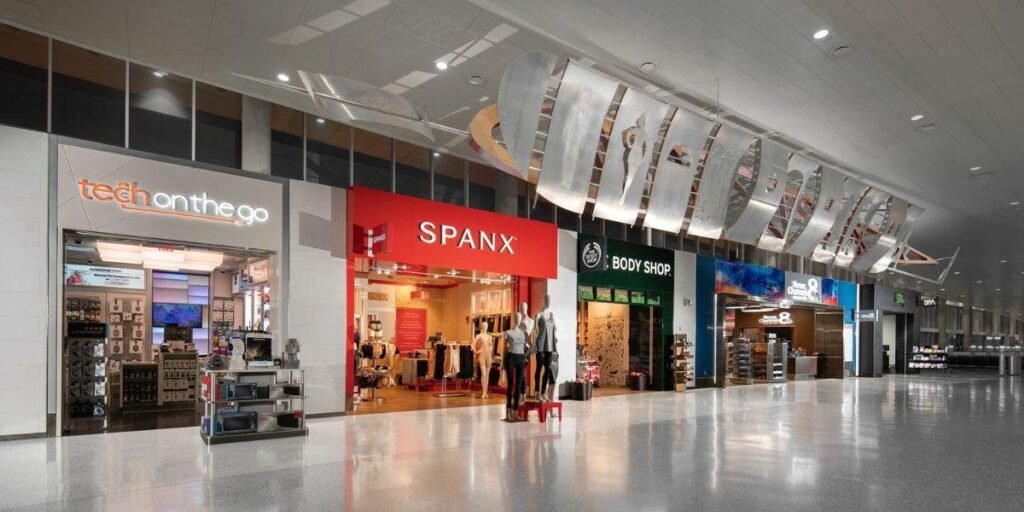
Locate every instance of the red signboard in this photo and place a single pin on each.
(410, 329)
(425, 232)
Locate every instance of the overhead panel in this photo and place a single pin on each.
(573, 134)
(881, 243)
(628, 157)
(769, 186)
(801, 239)
(716, 181)
(901, 235)
(853, 192)
(873, 202)
(677, 165)
(520, 100)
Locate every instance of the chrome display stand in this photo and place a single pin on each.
(444, 388)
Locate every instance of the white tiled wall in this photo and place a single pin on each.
(23, 264)
(316, 293)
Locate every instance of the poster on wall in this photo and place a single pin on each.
(750, 280)
(259, 272)
(410, 329)
(106, 277)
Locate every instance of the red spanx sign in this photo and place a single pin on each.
(408, 230)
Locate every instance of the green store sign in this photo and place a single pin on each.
(637, 274)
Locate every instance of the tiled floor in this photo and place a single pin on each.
(908, 444)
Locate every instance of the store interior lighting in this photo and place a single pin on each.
(157, 258)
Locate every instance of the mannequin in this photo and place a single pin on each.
(482, 347)
(526, 324)
(517, 347)
(544, 341)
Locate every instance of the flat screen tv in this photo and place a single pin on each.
(181, 315)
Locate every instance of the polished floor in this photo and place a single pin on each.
(897, 443)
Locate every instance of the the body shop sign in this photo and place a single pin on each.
(604, 261)
(408, 230)
(812, 289)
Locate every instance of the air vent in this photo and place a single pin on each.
(927, 127)
(840, 50)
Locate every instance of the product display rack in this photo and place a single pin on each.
(139, 381)
(740, 359)
(177, 378)
(280, 413)
(85, 374)
(223, 320)
(682, 355)
(928, 358)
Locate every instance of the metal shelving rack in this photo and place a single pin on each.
(683, 358)
(276, 404)
(85, 373)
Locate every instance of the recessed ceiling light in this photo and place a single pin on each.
(976, 168)
(283, 77)
(648, 67)
(159, 74)
(442, 65)
(962, 296)
(437, 154)
(956, 273)
(821, 34)
(979, 281)
(917, 117)
(1015, 203)
(320, 120)
(1002, 261)
(999, 289)
(942, 289)
(476, 80)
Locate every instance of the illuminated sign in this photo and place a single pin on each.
(628, 264)
(929, 302)
(446, 234)
(782, 318)
(129, 196)
(105, 277)
(899, 298)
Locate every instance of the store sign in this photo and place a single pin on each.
(599, 254)
(929, 302)
(130, 196)
(105, 277)
(812, 289)
(867, 316)
(415, 231)
(592, 255)
(783, 318)
(750, 280)
(899, 298)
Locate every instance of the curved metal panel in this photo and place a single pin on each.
(882, 243)
(873, 201)
(901, 235)
(520, 99)
(719, 170)
(673, 176)
(628, 158)
(580, 107)
(804, 239)
(853, 191)
(765, 197)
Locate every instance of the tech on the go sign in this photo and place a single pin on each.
(129, 196)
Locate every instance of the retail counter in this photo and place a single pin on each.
(803, 367)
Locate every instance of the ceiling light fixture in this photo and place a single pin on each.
(956, 273)
(917, 117)
(436, 154)
(821, 34)
(283, 77)
(159, 74)
(648, 67)
(320, 120)
(976, 168)
(979, 281)
(942, 289)
(441, 65)
(1002, 261)
(999, 289)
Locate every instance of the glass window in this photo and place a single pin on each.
(567, 220)
(482, 186)
(24, 59)
(286, 142)
(327, 152)
(372, 160)
(218, 126)
(449, 176)
(412, 170)
(160, 112)
(88, 94)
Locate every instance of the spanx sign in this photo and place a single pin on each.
(446, 235)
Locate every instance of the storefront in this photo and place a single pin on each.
(433, 288)
(625, 313)
(771, 325)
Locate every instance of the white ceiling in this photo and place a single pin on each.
(957, 62)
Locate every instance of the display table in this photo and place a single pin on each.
(803, 367)
(542, 408)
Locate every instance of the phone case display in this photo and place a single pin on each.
(248, 405)
(127, 327)
(178, 377)
(223, 318)
(83, 309)
(138, 384)
(683, 358)
(928, 358)
(738, 359)
(85, 370)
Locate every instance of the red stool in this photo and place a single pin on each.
(542, 408)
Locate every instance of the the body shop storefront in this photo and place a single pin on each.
(433, 288)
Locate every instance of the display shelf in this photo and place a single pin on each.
(139, 383)
(248, 419)
(85, 372)
(178, 378)
(683, 359)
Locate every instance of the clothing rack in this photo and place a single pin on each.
(457, 356)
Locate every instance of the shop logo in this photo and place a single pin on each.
(480, 240)
(783, 318)
(653, 268)
(808, 291)
(592, 255)
(129, 196)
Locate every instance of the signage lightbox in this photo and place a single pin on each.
(105, 277)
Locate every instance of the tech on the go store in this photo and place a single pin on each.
(425, 279)
(159, 264)
(769, 325)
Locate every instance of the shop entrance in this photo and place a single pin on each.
(616, 345)
(769, 342)
(140, 316)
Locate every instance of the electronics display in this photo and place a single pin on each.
(85, 367)
(181, 315)
(238, 402)
(258, 347)
(237, 422)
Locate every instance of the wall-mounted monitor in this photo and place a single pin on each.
(181, 315)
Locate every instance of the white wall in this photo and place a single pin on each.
(684, 313)
(23, 281)
(563, 304)
(316, 300)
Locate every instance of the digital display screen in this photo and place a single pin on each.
(181, 315)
